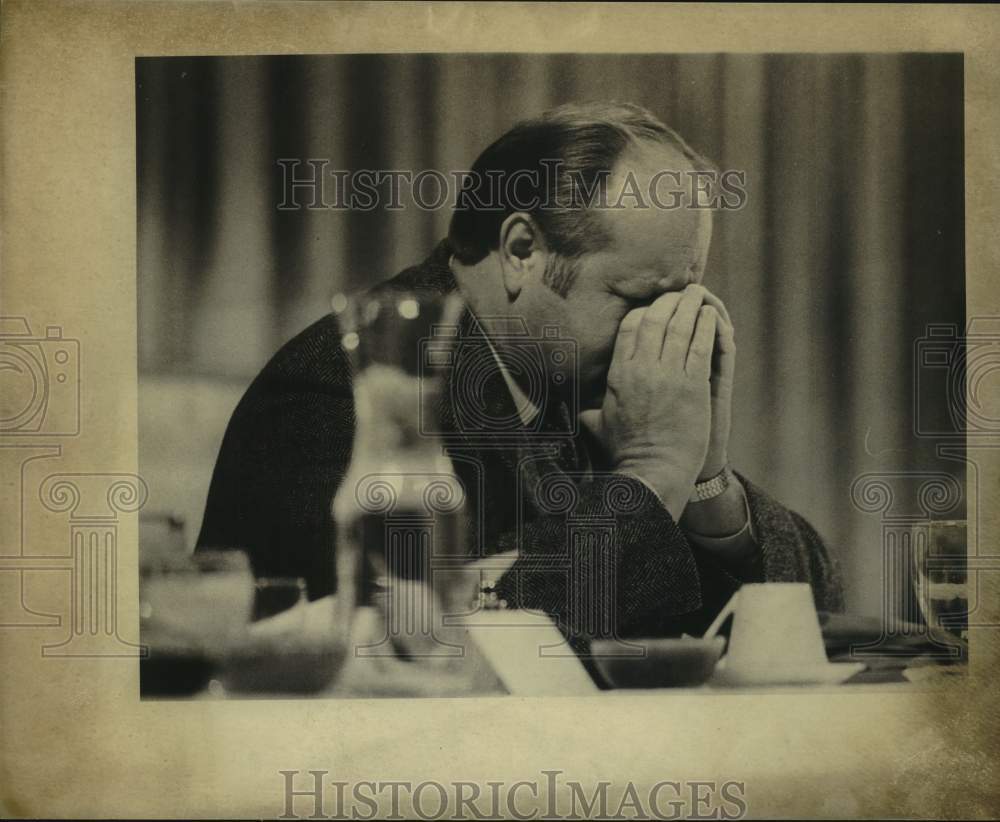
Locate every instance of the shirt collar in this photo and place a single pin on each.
(526, 409)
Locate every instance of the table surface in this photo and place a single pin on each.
(391, 677)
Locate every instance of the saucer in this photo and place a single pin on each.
(830, 673)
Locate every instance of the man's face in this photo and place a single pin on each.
(652, 251)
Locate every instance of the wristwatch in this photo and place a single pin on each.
(714, 487)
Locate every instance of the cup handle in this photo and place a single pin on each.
(727, 609)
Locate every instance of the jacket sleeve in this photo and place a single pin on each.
(618, 563)
(793, 551)
(625, 569)
(284, 454)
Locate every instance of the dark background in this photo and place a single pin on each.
(850, 244)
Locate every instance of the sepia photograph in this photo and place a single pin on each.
(438, 378)
(498, 410)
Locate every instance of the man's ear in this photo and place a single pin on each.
(523, 253)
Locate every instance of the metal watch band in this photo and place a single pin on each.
(711, 488)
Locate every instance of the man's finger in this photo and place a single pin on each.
(625, 341)
(724, 330)
(682, 325)
(652, 330)
(699, 353)
(718, 305)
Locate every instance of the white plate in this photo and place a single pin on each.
(832, 673)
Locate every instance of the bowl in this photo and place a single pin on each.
(173, 673)
(297, 670)
(663, 663)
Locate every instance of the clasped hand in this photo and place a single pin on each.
(667, 410)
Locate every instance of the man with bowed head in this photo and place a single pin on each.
(577, 244)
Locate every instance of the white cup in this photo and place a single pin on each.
(775, 638)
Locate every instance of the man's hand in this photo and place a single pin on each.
(724, 517)
(657, 414)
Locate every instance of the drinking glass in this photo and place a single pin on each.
(941, 574)
(192, 609)
(401, 512)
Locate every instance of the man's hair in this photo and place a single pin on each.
(555, 164)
